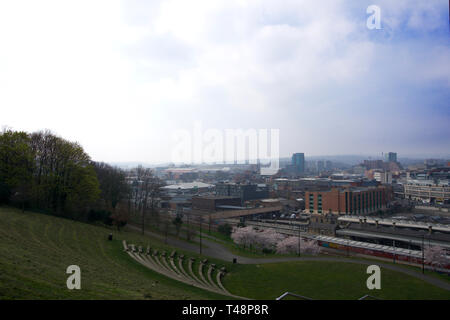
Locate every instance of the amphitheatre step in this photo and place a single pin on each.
(181, 268)
(191, 262)
(166, 264)
(219, 276)
(200, 272)
(211, 269)
(172, 263)
(158, 263)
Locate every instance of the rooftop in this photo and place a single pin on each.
(188, 185)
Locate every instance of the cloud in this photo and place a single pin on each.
(137, 70)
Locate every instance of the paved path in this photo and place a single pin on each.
(218, 251)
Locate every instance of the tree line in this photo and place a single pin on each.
(44, 172)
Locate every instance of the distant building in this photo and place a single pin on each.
(243, 191)
(320, 166)
(433, 191)
(349, 200)
(298, 162)
(391, 157)
(214, 203)
(189, 187)
(384, 177)
(373, 164)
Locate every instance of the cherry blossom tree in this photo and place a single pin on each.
(288, 245)
(436, 256)
(291, 245)
(256, 238)
(243, 236)
(269, 239)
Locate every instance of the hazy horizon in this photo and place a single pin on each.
(121, 77)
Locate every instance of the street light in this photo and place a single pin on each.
(423, 255)
(348, 247)
(394, 251)
(201, 221)
(299, 241)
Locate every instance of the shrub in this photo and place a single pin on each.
(225, 229)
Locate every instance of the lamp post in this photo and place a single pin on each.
(201, 221)
(394, 251)
(423, 255)
(299, 241)
(348, 247)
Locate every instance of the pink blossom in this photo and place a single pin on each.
(291, 245)
(436, 256)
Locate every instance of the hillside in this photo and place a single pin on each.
(36, 249)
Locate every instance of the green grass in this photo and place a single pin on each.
(36, 249)
(324, 280)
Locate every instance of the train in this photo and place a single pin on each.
(370, 249)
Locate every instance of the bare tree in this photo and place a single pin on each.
(121, 216)
(146, 192)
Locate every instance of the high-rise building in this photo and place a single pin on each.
(392, 156)
(298, 161)
(384, 177)
(320, 166)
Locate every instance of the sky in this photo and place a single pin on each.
(123, 77)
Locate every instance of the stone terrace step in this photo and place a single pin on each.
(159, 263)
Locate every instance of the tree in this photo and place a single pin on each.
(436, 256)
(290, 245)
(146, 190)
(113, 184)
(166, 230)
(64, 181)
(225, 229)
(259, 239)
(21, 196)
(120, 216)
(243, 236)
(16, 166)
(177, 222)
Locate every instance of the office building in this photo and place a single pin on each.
(298, 162)
(349, 200)
(391, 156)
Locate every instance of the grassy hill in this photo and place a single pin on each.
(36, 249)
(325, 280)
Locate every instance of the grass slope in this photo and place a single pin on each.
(36, 249)
(325, 280)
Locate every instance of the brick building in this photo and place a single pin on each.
(243, 191)
(211, 203)
(359, 200)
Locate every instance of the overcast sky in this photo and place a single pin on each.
(121, 76)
